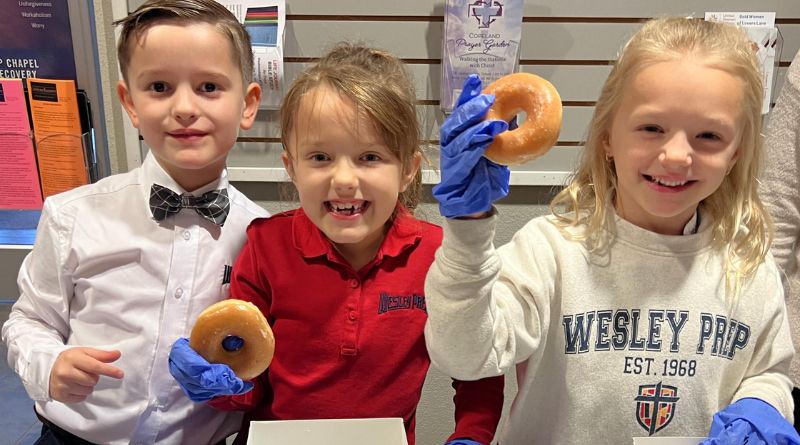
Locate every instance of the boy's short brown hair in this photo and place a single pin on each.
(188, 11)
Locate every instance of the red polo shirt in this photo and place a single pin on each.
(348, 344)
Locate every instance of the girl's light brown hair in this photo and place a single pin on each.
(186, 11)
(380, 88)
(742, 226)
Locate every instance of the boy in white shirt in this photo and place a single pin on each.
(123, 267)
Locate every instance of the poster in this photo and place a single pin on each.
(760, 27)
(17, 160)
(36, 40)
(265, 21)
(481, 36)
(57, 134)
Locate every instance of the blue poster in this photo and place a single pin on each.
(35, 40)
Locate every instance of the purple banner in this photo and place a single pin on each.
(36, 40)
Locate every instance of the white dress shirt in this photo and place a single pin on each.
(104, 274)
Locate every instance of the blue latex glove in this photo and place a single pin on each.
(199, 379)
(470, 182)
(463, 442)
(751, 421)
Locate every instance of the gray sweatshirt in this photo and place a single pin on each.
(635, 340)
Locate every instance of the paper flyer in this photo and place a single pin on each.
(265, 21)
(760, 26)
(480, 36)
(17, 160)
(57, 135)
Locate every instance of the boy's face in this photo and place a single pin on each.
(185, 95)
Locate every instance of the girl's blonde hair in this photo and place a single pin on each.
(743, 227)
(381, 89)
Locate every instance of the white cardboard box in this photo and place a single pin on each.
(667, 440)
(383, 431)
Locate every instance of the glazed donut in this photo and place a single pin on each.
(239, 320)
(539, 99)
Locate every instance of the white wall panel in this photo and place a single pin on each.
(552, 8)
(570, 43)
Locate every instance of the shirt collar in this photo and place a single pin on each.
(404, 232)
(693, 225)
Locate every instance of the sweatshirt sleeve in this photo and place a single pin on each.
(485, 307)
(766, 377)
(780, 181)
(38, 325)
(478, 408)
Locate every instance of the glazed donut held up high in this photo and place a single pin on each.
(538, 98)
(236, 333)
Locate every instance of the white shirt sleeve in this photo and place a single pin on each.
(38, 324)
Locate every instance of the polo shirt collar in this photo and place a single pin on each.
(311, 242)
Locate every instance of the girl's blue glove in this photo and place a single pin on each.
(470, 182)
(199, 379)
(751, 421)
(463, 442)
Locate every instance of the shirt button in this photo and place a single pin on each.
(353, 283)
(352, 316)
(178, 292)
(186, 235)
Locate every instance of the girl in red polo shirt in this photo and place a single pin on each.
(341, 279)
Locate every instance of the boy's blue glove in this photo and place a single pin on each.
(463, 442)
(751, 421)
(199, 379)
(470, 182)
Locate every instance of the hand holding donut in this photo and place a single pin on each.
(475, 146)
(200, 380)
(470, 182)
(230, 342)
(541, 103)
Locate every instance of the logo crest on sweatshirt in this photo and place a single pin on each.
(655, 406)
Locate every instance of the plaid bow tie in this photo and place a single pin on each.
(213, 205)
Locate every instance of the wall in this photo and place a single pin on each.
(571, 43)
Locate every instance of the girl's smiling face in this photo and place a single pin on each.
(347, 179)
(675, 136)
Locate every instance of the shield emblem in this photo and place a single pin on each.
(655, 406)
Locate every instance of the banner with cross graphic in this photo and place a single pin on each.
(480, 37)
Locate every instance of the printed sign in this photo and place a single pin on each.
(481, 36)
